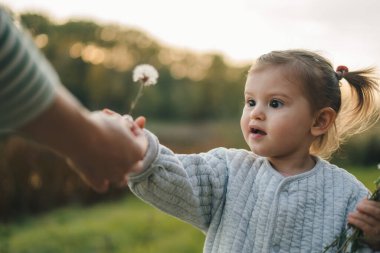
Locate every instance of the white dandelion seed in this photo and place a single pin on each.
(146, 74)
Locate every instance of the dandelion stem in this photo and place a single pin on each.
(139, 94)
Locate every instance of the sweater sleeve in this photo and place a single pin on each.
(190, 187)
(27, 80)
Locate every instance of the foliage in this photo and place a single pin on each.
(363, 149)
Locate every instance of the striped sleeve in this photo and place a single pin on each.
(27, 80)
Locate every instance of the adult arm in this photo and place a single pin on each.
(34, 103)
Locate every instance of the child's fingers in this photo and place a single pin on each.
(368, 224)
(128, 121)
(136, 130)
(127, 117)
(369, 207)
(140, 121)
(367, 218)
(362, 218)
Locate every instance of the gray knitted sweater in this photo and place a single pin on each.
(243, 204)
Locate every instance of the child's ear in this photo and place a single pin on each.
(324, 119)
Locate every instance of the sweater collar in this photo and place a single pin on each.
(317, 167)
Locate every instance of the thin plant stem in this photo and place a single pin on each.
(139, 94)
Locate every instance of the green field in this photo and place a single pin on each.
(125, 226)
(128, 225)
(366, 175)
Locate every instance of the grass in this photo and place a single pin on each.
(367, 176)
(126, 226)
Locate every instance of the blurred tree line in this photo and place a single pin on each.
(95, 62)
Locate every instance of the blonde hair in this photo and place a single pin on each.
(322, 86)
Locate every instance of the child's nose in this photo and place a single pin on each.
(257, 113)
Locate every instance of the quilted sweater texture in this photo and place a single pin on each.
(243, 204)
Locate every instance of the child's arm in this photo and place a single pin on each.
(367, 218)
(190, 187)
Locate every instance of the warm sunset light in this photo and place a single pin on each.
(345, 31)
(214, 126)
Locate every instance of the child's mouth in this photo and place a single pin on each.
(258, 131)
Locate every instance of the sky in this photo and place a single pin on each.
(345, 31)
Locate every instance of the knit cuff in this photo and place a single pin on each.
(150, 157)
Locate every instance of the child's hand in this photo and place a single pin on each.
(367, 218)
(136, 128)
(140, 121)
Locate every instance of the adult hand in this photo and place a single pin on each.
(114, 150)
(136, 127)
(98, 146)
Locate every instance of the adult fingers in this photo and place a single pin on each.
(123, 182)
(137, 167)
(99, 184)
(108, 111)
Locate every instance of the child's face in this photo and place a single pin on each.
(277, 118)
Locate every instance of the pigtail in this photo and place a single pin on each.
(357, 108)
(360, 108)
(364, 84)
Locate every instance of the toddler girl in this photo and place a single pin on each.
(281, 196)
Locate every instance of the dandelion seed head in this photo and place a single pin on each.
(378, 166)
(146, 74)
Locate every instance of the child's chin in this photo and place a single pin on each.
(259, 151)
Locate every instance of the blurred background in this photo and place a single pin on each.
(202, 51)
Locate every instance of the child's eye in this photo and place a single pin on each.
(251, 102)
(274, 103)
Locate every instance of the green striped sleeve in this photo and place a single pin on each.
(27, 80)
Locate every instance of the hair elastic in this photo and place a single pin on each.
(341, 71)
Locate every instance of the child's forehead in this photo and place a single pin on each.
(272, 80)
